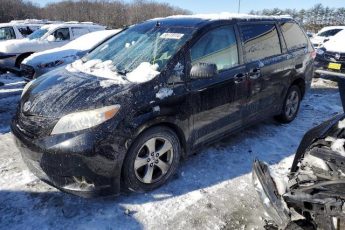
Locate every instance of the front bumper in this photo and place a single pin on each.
(81, 163)
(272, 201)
(8, 61)
(322, 67)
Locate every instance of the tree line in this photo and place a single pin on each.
(117, 13)
(312, 19)
(114, 14)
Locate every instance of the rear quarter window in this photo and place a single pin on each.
(294, 36)
(260, 41)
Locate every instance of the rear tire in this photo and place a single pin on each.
(151, 160)
(291, 105)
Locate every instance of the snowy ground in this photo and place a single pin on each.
(212, 189)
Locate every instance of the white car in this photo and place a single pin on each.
(20, 29)
(324, 35)
(13, 52)
(42, 62)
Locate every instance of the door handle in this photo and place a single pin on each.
(239, 77)
(255, 73)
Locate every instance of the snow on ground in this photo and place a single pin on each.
(212, 189)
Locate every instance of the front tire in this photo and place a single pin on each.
(151, 160)
(291, 105)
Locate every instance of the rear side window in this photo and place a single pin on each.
(7, 33)
(62, 34)
(294, 36)
(260, 41)
(78, 31)
(217, 46)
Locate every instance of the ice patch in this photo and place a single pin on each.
(164, 92)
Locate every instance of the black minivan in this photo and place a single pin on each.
(125, 114)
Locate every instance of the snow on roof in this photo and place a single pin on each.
(229, 16)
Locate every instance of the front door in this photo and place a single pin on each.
(217, 101)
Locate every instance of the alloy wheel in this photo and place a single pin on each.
(153, 160)
(292, 104)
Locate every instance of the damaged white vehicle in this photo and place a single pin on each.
(42, 62)
(13, 52)
(312, 195)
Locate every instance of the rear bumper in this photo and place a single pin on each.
(8, 61)
(79, 164)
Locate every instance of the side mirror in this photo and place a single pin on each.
(51, 38)
(203, 70)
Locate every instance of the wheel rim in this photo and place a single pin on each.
(153, 160)
(292, 103)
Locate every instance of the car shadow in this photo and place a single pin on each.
(219, 163)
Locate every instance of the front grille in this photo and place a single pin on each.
(331, 56)
(35, 126)
(27, 71)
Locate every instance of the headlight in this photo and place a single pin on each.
(26, 87)
(85, 119)
(320, 51)
(50, 64)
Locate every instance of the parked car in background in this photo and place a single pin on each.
(325, 34)
(42, 62)
(13, 52)
(19, 29)
(330, 58)
(158, 91)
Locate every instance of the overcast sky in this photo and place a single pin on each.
(207, 6)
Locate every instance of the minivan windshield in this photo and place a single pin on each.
(141, 43)
(37, 34)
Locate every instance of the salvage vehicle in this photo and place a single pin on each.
(42, 62)
(324, 35)
(13, 52)
(126, 113)
(314, 188)
(330, 58)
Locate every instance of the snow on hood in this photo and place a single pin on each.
(24, 45)
(144, 72)
(336, 43)
(70, 51)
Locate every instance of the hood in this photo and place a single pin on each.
(61, 92)
(24, 45)
(335, 45)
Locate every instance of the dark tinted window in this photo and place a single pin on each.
(62, 34)
(218, 47)
(260, 41)
(330, 33)
(294, 36)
